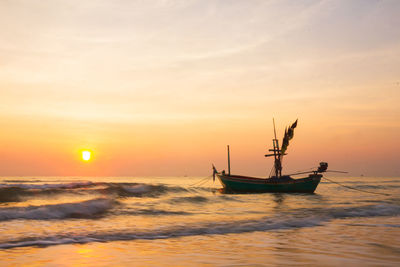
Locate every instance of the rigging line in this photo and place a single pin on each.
(306, 169)
(198, 182)
(272, 171)
(203, 183)
(202, 180)
(377, 193)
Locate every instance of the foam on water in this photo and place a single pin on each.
(27, 185)
(269, 223)
(15, 192)
(86, 209)
(151, 211)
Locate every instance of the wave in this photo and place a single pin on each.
(85, 209)
(365, 211)
(15, 192)
(11, 194)
(24, 181)
(49, 186)
(138, 190)
(375, 225)
(215, 228)
(327, 214)
(36, 180)
(154, 212)
(377, 186)
(191, 199)
(294, 220)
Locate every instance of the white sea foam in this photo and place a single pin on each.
(47, 186)
(137, 189)
(214, 228)
(85, 209)
(288, 221)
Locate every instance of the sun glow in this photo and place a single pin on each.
(86, 155)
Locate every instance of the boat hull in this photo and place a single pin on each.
(238, 183)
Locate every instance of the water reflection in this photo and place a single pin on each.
(166, 222)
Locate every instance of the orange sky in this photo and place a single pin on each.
(161, 87)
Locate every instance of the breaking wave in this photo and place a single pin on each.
(11, 194)
(285, 221)
(213, 228)
(85, 209)
(16, 192)
(48, 186)
(139, 190)
(24, 181)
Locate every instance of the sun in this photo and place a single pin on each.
(86, 155)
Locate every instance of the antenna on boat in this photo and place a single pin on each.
(229, 163)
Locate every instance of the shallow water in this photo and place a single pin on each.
(163, 221)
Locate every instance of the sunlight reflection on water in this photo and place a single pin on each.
(164, 222)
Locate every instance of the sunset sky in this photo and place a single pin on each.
(161, 87)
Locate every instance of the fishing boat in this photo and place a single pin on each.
(276, 182)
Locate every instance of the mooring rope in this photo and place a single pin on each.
(202, 181)
(377, 193)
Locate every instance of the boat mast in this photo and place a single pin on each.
(277, 168)
(277, 162)
(229, 163)
(273, 121)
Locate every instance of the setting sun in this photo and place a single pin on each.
(86, 155)
(236, 126)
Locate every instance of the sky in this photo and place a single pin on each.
(159, 88)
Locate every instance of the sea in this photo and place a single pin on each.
(190, 221)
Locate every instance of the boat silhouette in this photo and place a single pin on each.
(276, 182)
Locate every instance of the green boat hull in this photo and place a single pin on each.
(238, 183)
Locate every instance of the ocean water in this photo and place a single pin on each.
(171, 221)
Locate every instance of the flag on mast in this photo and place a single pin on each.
(289, 133)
